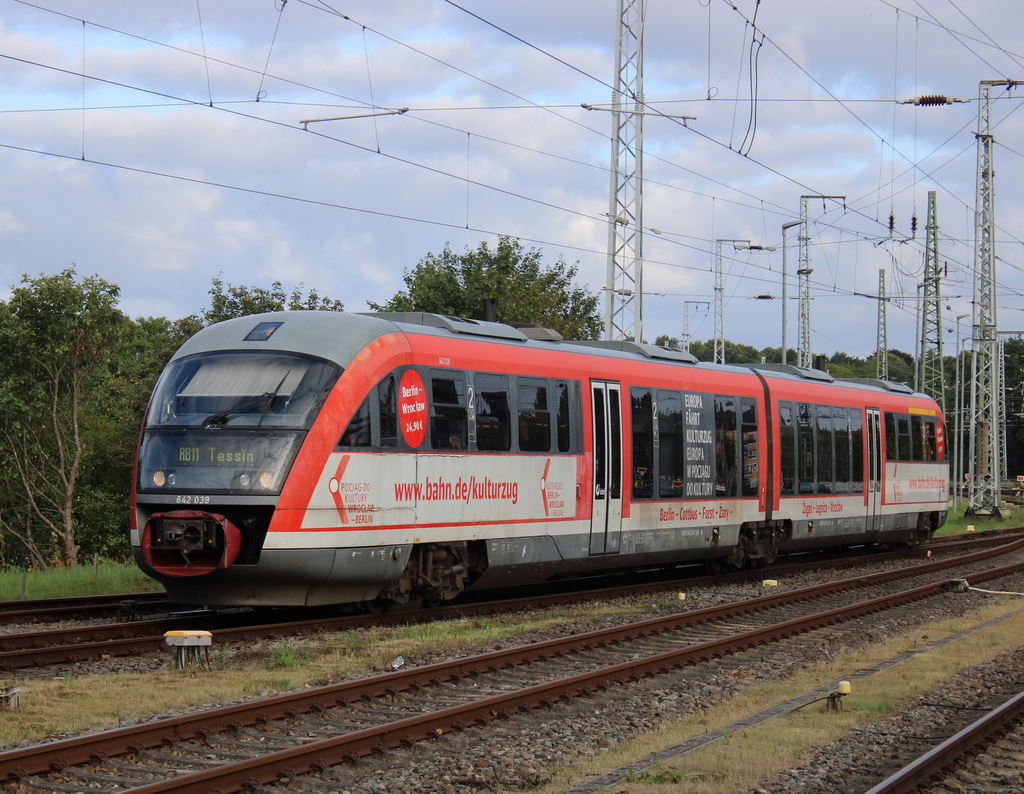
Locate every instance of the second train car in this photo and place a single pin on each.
(303, 458)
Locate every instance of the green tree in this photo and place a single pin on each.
(228, 301)
(111, 430)
(525, 289)
(58, 333)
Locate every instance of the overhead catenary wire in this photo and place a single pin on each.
(779, 210)
(325, 6)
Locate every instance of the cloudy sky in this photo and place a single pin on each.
(158, 144)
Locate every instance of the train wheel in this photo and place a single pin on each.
(375, 607)
(714, 566)
(738, 560)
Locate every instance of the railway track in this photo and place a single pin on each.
(46, 610)
(328, 732)
(985, 756)
(68, 645)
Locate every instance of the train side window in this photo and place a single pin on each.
(905, 450)
(919, 438)
(615, 483)
(805, 448)
(387, 412)
(600, 451)
(564, 421)
(748, 436)
(890, 436)
(856, 451)
(534, 417)
(825, 468)
(447, 411)
(670, 445)
(642, 420)
(787, 448)
(357, 434)
(725, 446)
(841, 427)
(493, 416)
(928, 445)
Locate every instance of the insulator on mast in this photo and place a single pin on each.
(892, 224)
(913, 226)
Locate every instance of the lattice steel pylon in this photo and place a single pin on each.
(984, 497)
(803, 272)
(720, 298)
(686, 321)
(624, 299)
(882, 356)
(804, 357)
(930, 371)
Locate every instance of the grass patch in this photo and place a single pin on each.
(957, 522)
(75, 580)
(659, 776)
(286, 656)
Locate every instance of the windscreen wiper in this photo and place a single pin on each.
(266, 400)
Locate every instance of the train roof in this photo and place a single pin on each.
(339, 336)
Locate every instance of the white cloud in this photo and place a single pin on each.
(347, 206)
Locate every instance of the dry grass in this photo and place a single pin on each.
(71, 703)
(761, 752)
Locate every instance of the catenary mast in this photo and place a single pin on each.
(986, 453)
(930, 371)
(624, 296)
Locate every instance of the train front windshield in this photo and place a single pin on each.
(230, 422)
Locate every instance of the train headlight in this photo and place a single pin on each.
(266, 479)
(244, 480)
(159, 480)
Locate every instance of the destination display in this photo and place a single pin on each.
(221, 461)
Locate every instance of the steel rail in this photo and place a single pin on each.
(945, 755)
(49, 609)
(319, 755)
(89, 601)
(25, 761)
(33, 649)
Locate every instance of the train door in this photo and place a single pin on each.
(606, 513)
(874, 462)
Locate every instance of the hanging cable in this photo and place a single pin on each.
(260, 93)
(206, 61)
(83, 89)
(756, 42)
(369, 82)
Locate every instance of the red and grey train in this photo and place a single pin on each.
(302, 458)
